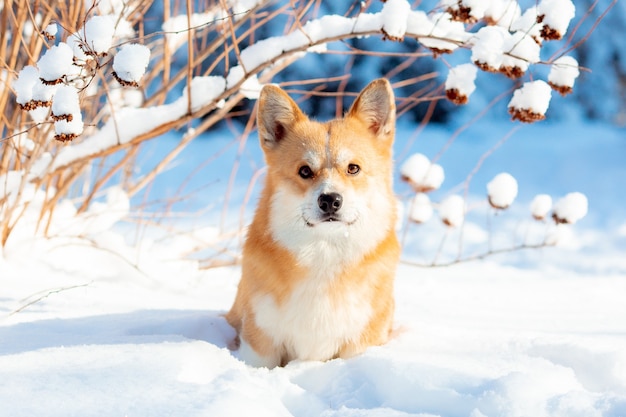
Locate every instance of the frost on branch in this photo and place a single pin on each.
(421, 174)
(530, 102)
(570, 209)
(460, 83)
(563, 74)
(502, 190)
(130, 64)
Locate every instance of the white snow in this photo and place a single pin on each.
(420, 209)
(556, 14)
(131, 61)
(65, 101)
(527, 23)
(488, 47)
(503, 12)
(26, 80)
(532, 95)
(394, 17)
(446, 35)
(564, 71)
(67, 127)
(462, 78)
(477, 7)
(421, 173)
(452, 210)
(87, 320)
(205, 90)
(43, 92)
(98, 33)
(502, 190)
(56, 62)
(571, 208)
(541, 206)
(521, 51)
(51, 29)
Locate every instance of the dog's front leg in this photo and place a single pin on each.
(256, 348)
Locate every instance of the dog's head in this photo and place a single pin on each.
(329, 183)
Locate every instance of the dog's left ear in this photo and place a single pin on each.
(376, 107)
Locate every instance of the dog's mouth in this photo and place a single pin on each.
(329, 218)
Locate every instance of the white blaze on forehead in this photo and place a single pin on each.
(313, 159)
(344, 157)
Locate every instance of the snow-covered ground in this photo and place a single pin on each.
(120, 324)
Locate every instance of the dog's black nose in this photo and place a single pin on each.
(330, 203)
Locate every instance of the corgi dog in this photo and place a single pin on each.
(320, 256)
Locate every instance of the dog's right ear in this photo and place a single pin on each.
(277, 113)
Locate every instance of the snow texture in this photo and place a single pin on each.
(541, 206)
(540, 333)
(98, 33)
(131, 61)
(56, 62)
(488, 47)
(51, 29)
(65, 101)
(445, 34)
(502, 190)
(26, 80)
(533, 96)
(564, 71)
(421, 209)
(556, 14)
(70, 128)
(462, 78)
(571, 208)
(503, 12)
(521, 50)
(205, 90)
(527, 23)
(452, 210)
(393, 16)
(421, 173)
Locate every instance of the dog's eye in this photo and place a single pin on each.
(305, 172)
(353, 169)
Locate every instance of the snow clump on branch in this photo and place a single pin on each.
(530, 102)
(421, 174)
(452, 210)
(570, 209)
(541, 206)
(563, 74)
(130, 63)
(502, 190)
(460, 83)
(421, 209)
(69, 67)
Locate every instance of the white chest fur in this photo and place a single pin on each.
(311, 324)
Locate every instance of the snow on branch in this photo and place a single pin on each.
(510, 42)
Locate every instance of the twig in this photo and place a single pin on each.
(46, 294)
(477, 257)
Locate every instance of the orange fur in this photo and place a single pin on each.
(318, 283)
